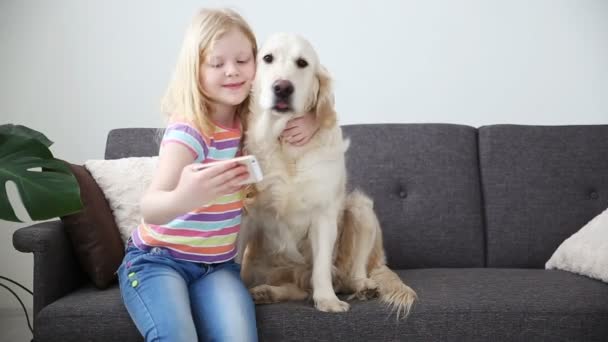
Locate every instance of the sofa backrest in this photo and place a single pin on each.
(424, 181)
(540, 185)
(133, 142)
(455, 196)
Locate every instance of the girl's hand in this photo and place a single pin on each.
(197, 188)
(298, 131)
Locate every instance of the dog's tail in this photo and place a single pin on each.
(392, 291)
(362, 220)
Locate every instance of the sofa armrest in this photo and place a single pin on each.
(56, 270)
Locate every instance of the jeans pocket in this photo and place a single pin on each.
(132, 255)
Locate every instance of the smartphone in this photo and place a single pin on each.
(253, 167)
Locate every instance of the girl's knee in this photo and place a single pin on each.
(175, 330)
(244, 330)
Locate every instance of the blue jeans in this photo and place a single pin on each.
(174, 300)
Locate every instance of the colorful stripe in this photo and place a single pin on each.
(193, 232)
(204, 226)
(226, 136)
(215, 208)
(192, 150)
(221, 154)
(177, 254)
(150, 240)
(235, 197)
(210, 217)
(207, 234)
(195, 133)
(213, 241)
(221, 145)
(187, 139)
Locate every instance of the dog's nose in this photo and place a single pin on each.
(282, 88)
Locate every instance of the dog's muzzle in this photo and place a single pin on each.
(282, 90)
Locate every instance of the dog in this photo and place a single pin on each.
(302, 233)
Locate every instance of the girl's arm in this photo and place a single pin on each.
(178, 188)
(298, 131)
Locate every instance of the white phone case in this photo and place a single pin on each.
(250, 161)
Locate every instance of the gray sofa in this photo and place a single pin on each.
(470, 216)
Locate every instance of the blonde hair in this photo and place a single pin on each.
(185, 96)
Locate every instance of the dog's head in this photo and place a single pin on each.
(291, 81)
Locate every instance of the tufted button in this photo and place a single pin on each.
(593, 195)
(402, 194)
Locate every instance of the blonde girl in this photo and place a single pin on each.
(178, 279)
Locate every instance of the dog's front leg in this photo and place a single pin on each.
(324, 231)
(285, 244)
(248, 229)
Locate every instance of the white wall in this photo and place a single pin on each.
(75, 69)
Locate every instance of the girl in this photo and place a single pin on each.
(178, 278)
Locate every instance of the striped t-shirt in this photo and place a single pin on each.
(207, 234)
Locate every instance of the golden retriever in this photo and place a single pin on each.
(302, 232)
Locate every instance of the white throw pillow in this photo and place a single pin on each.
(123, 182)
(586, 251)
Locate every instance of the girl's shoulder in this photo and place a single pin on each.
(186, 134)
(179, 120)
(185, 125)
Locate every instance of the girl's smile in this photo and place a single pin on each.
(234, 86)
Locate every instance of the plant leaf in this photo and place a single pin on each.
(25, 132)
(48, 193)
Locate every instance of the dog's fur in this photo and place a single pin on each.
(302, 232)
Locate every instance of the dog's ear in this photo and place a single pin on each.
(324, 108)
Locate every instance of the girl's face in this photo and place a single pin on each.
(227, 71)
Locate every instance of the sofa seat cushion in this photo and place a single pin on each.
(87, 314)
(454, 304)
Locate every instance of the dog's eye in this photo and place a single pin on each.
(268, 58)
(302, 63)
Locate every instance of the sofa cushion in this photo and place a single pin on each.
(123, 183)
(460, 305)
(454, 304)
(585, 252)
(93, 232)
(425, 184)
(540, 185)
(87, 314)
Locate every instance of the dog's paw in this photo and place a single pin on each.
(262, 294)
(331, 305)
(364, 289)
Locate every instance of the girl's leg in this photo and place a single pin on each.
(222, 307)
(156, 296)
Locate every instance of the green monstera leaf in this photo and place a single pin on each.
(46, 185)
